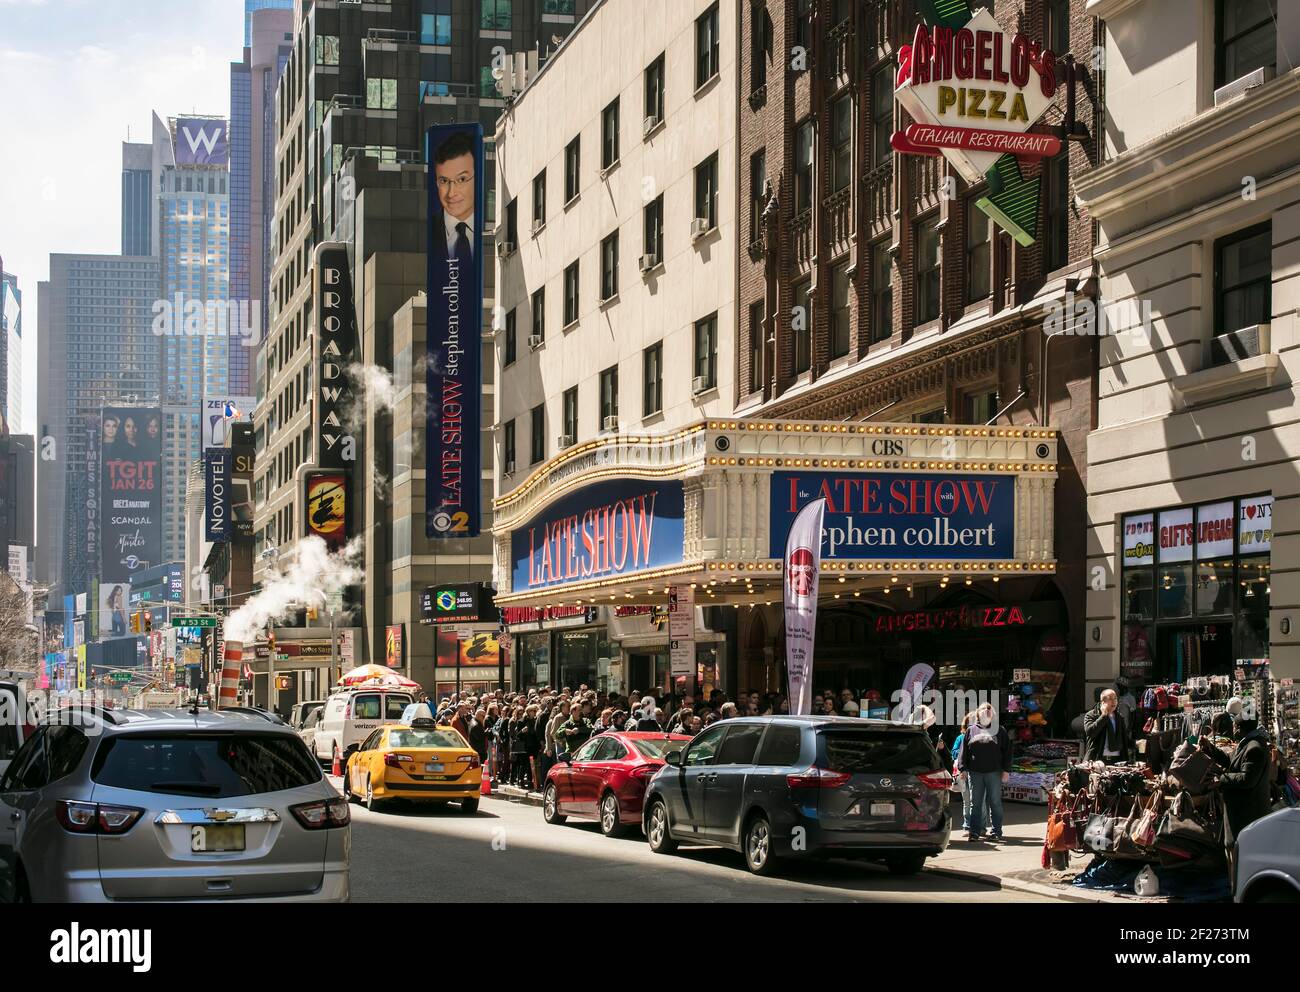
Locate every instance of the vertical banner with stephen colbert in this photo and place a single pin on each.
(130, 495)
(455, 324)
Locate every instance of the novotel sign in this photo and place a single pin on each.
(901, 516)
(608, 530)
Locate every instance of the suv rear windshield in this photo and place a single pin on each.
(872, 751)
(217, 766)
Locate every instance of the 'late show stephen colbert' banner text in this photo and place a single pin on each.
(130, 495)
(455, 320)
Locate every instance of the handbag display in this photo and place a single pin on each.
(1062, 827)
(1191, 768)
(1143, 830)
(1099, 832)
(1185, 825)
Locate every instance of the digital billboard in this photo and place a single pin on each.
(130, 494)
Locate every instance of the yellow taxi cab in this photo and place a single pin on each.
(420, 761)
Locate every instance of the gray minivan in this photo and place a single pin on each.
(790, 786)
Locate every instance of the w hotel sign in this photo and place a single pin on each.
(973, 92)
(626, 518)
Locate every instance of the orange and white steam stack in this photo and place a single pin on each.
(230, 667)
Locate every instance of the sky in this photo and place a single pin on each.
(78, 78)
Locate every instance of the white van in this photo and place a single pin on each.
(13, 726)
(351, 714)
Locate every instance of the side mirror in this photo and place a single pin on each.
(673, 758)
(350, 750)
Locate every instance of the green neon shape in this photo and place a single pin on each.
(944, 13)
(1012, 200)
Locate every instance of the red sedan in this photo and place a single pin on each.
(607, 778)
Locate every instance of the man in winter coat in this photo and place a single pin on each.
(573, 732)
(1245, 785)
(1106, 735)
(986, 757)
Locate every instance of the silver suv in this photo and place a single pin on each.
(131, 805)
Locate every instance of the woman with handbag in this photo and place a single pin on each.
(1245, 785)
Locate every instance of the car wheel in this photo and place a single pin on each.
(661, 841)
(759, 855)
(469, 806)
(907, 865)
(551, 805)
(610, 823)
(372, 804)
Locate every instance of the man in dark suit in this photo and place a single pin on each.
(1105, 734)
(454, 174)
(1245, 785)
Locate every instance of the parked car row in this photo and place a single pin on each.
(769, 788)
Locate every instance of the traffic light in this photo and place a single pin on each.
(312, 614)
(135, 623)
(148, 621)
(270, 643)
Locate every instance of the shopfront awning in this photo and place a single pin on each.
(624, 518)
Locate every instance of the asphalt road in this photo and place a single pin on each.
(506, 852)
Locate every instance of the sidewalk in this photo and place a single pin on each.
(1014, 865)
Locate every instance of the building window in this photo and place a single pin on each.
(761, 40)
(653, 395)
(757, 186)
(381, 94)
(707, 52)
(539, 433)
(571, 285)
(508, 448)
(706, 353)
(981, 408)
(1245, 38)
(805, 148)
(841, 142)
(1243, 279)
(756, 314)
(1056, 26)
(495, 15)
(435, 29)
(654, 229)
(327, 51)
(572, 163)
(882, 293)
(839, 304)
(882, 115)
(609, 399)
(706, 191)
(609, 267)
(803, 17)
(927, 270)
(1058, 211)
(654, 92)
(539, 199)
(511, 346)
(839, 12)
(512, 223)
(979, 253)
(539, 315)
(609, 136)
(571, 414)
(929, 417)
(801, 324)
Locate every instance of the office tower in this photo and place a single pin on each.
(11, 352)
(269, 33)
(95, 348)
(362, 86)
(199, 329)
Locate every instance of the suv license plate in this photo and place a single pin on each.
(882, 809)
(430, 767)
(217, 838)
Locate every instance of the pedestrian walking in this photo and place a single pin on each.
(986, 757)
(960, 777)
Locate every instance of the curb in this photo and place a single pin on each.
(1015, 885)
(514, 794)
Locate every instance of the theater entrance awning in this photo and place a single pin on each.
(623, 518)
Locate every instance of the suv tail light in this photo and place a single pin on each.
(395, 760)
(817, 778)
(470, 759)
(95, 818)
(323, 815)
(936, 780)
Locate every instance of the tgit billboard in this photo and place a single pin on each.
(202, 142)
(130, 492)
(455, 323)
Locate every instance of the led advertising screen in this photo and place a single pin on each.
(130, 493)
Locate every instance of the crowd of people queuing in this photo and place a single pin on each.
(519, 736)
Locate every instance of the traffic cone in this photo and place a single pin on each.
(336, 770)
(485, 781)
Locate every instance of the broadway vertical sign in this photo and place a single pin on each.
(336, 343)
(455, 322)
